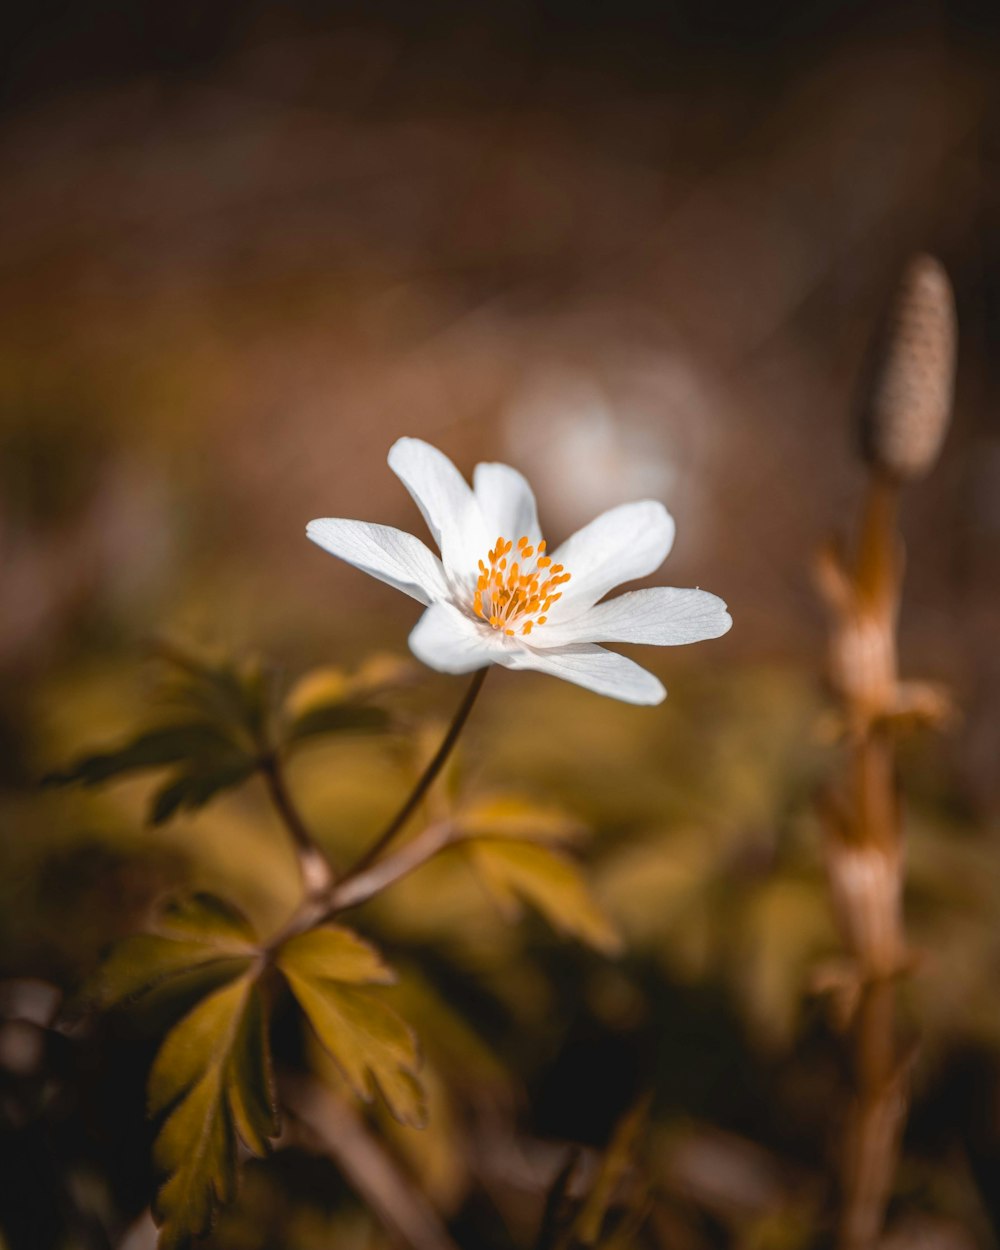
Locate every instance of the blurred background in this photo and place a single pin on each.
(634, 250)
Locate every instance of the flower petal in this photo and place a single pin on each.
(620, 545)
(391, 555)
(507, 502)
(446, 501)
(604, 672)
(446, 639)
(662, 616)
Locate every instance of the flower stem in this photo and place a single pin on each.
(314, 867)
(426, 780)
(361, 885)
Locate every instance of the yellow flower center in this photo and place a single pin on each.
(515, 595)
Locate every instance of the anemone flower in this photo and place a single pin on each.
(497, 595)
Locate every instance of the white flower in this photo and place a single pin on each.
(496, 596)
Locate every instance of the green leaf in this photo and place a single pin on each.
(154, 748)
(333, 953)
(194, 787)
(213, 1076)
(338, 718)
(207, 918)
(222, 690)
(516, 816)
(617, 1159)
(549, 880)
(327, 700)
(370, 1043)
(188, 935)
(209, 758)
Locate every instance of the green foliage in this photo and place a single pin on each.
(224, 724)
(201, 933)
(329, 700)
(548, 879)
(206, 760)
(372, 1046)
(516, 816)
(155, 748)
(232, 694)
(589, 1224)
(212, 1075)
(213, 742)
(213, 1078)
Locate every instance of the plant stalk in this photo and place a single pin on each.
(865, 864)
(426, 780)
(314, 867)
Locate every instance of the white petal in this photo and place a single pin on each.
(391, 555)
(662, 616)
(446, 500)
(604, 672)
(620, 545)
(446, 639)
(507, 502)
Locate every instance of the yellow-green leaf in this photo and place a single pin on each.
(195, 933)
(209, 919)
(213, 1077)
(617, 1159)
(328, 700)
(318, 688)
(214, 746)
(153, 748)
(370, 1043)
(551, 882)
(516, 816)
(334, 953)
(194, 786)
(225, 691)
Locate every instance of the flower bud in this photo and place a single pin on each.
(907, 405)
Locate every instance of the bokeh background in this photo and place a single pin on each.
(634, 250)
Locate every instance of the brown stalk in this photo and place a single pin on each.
(325, 896)
(865, 866)
(903, 425)
(314, 867)
(426, 779)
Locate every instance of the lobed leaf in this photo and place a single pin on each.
(516, 816)
(192, 788)
(187, 935)
(213, 1077)
(370, 1043)
(328, 700)
(334, 953)
(223, 691)
(153, 748)
(549, 880)
(207, 918)
(208, 758)
(338, 718)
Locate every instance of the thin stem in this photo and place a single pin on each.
(427, 778)
(875, 1119)
(878, 550)
(317, 874)
(866, 868)
(324, 897)
(359, 886)
(372, 1172)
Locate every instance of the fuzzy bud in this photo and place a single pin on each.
(907, 405)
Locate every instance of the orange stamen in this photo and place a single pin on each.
(517, 596)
